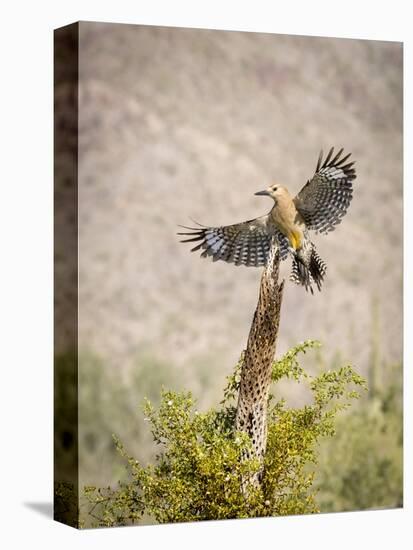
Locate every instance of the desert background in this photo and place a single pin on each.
(180, 123)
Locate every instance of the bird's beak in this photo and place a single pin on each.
(265, 192)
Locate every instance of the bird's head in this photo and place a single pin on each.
(275, 191)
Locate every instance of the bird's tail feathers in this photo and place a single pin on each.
(300, 274)
(310, 272)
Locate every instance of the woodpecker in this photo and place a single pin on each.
(319, 207)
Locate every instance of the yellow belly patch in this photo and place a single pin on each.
(295, 239)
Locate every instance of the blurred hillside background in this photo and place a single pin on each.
(179, 123)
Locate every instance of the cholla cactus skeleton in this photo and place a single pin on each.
(251, 416)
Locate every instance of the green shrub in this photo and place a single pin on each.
(199, 471)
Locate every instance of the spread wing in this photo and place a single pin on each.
(324, 200)
(247, 243)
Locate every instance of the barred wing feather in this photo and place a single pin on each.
(324, 200)
(247, 243)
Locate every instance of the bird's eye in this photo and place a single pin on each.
(274, 188)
